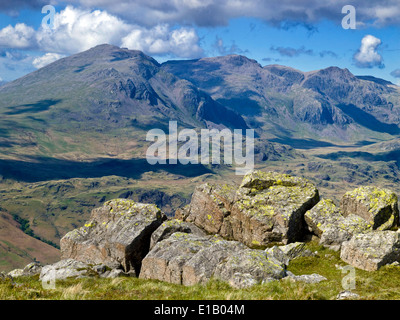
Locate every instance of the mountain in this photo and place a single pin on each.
(105, 90)
(284, 103)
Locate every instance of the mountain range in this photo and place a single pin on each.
(286, 104)
(73, 133)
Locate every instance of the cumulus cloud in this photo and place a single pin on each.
(77, 29)
(160, 40)
(46, 59)
(367, 55)
(20, 36)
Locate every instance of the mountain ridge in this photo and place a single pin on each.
(288, 95)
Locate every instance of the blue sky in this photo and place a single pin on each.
(306, 34)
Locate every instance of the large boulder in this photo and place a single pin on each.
(372, 250)
(267, 207)
(188, 259)
(209, 206)
(327, 222)
(117, 235)
(377, 206)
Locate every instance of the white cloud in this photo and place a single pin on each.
(46, 59)
(18, 37)
(76, 30)
(159, 40)
(367, 56)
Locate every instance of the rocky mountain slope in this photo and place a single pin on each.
(102, 92)
(286, 103)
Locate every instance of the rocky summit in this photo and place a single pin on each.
(241, 234)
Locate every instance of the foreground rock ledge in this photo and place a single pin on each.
(189, 259)
(117, 235)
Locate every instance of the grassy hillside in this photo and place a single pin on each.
(18, 249)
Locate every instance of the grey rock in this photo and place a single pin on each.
(377, 206)
(116, 273)
(250, 261)
(31, 269)
(189, 259)
(372, 250)
(16, 273)
(347, 295)
(307, 278)
(242, 280)
(277, 253)
(169, 227)
(267, 207)
(286, 253)
(328, 223)
(67, 268)
(118, 234)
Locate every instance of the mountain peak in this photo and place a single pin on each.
(333, 72)
(234, 60)
(108, 51)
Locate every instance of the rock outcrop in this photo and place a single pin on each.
(266, 208)
(372, 250)
(118, 234)
(244, 235)
(361, 211)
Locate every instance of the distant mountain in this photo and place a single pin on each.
(63, 107)
(286, 103)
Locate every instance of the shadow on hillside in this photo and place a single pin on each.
(366, 156)
(42, 105)
(368, 121)
(42, 169)
(303, 143)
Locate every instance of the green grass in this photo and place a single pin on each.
(383, 284)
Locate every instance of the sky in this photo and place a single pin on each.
(360, 35)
